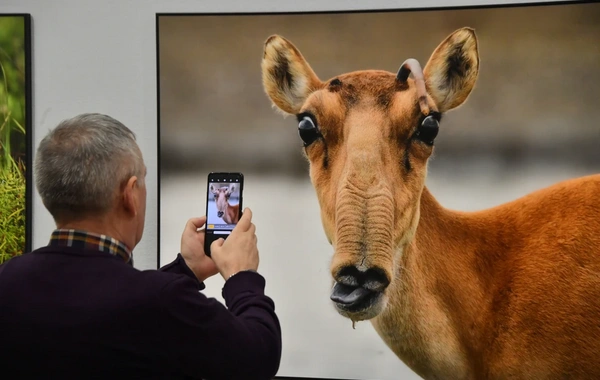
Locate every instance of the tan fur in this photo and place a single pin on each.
(512, 292)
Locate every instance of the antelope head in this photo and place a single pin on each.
(222, 195)
(368, 136)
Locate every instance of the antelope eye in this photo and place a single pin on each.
(428, 130)
(308, 131)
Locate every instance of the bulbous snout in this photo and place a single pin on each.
(363, 262)
(220, 214)
(359, 294)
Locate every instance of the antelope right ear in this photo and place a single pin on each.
(452, 69)
(287, 78)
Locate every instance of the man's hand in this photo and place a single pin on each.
(192, 249)
(239, 251)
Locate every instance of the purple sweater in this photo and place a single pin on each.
(75, 313)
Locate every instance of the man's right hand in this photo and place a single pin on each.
(239, 251)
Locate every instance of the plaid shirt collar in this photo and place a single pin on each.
(88, 240)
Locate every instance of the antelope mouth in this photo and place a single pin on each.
(354, 299)
(359, 295)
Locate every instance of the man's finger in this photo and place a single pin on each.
(245, 220)
(196, 223)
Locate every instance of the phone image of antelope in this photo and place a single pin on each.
(221, 195)
(509, 292)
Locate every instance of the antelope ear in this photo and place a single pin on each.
(231, 189)
(287, 78)
(212, 189)
(452, 69)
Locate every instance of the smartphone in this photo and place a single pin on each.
(223, 206)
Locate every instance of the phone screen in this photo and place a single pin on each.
(223, 205)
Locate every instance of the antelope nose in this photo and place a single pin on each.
(220, 214)
(354, 287)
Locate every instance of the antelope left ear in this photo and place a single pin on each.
(452, 69)
(287, 77)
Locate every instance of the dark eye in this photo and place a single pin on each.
(308, 130)
(428, 130)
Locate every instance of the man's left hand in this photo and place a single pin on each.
(192, 249)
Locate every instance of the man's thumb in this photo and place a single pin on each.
(217, 244)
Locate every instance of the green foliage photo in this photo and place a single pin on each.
(13, 140)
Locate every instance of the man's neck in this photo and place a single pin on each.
(102, 226)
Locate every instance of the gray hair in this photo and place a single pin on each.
(81, 165)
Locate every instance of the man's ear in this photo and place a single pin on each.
(130, 196)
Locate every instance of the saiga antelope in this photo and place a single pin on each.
(512, 292)
(229, 213)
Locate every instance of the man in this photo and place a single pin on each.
(78, 309)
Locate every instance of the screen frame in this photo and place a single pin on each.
(160, 15)
(27, 26)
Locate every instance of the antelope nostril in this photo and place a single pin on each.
(349, 276)
(220, 214)
(375, 280)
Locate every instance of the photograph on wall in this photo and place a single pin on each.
(15, 136)
(514, 112)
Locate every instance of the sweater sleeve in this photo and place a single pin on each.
(206, 339)
(178, 266)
